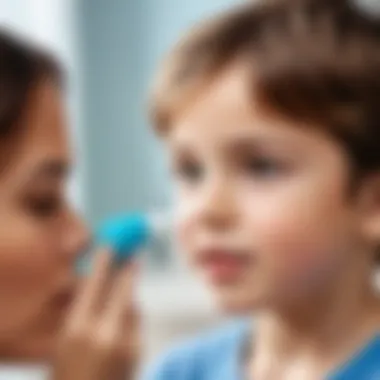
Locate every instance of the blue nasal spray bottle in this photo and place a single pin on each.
(128, 233)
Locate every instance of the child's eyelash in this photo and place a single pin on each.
(189, 171)
(257, 167)
(263, 167)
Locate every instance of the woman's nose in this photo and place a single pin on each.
(77, 238)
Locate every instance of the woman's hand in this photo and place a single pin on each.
(100, 340)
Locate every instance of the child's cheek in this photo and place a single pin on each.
(297, 244)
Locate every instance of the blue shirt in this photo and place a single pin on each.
(217, 356)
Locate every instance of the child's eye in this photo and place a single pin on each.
(189, 172)
(264, 167)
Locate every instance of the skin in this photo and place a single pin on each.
(273, 196)
(87, 329)
(284, 212)
(41, 237)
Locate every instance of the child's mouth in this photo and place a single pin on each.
(224, 265)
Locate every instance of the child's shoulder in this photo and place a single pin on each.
(202, 357)
(365, 364)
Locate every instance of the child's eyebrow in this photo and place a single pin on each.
(253, 143)
(235, 142)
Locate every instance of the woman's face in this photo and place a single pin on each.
(40, 236)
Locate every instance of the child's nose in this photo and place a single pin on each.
(218, 206)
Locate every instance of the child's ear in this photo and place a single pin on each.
(369, 203)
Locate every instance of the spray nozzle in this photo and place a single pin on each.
(127, 234)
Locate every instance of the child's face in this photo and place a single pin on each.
(262, 203)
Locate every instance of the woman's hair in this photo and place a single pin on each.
(22, 68)
(314, 61)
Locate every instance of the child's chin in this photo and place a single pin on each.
(238, 301)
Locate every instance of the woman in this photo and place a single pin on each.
(46, 314)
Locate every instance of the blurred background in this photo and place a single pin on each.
(111, 49)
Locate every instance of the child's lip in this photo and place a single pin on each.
(209, 251)
(224, 264)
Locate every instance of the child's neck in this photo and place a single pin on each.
(321, 332)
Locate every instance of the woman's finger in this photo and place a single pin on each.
(121, 298)
(93, 287)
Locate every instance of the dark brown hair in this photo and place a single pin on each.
(310, 60)
(22, 67)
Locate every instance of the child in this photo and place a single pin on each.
(271, 117)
